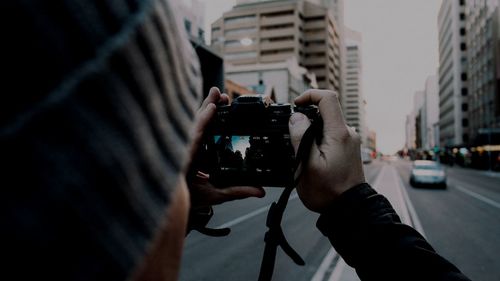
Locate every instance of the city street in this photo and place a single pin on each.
(462, 223)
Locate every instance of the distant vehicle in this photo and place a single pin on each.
(366, 155)
(425, 172)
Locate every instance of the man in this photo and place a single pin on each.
(98, 127)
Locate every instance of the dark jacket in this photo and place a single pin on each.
(366, 231)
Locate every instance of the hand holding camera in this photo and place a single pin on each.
(252, 143)
(248, 143)
(202, 192)
(335, 163)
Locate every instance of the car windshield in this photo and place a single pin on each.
(427, 167)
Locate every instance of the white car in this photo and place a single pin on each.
(426, 172)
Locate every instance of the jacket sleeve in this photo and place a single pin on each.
(366, 231)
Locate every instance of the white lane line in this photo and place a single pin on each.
(337, 272)
(411, 209)
(251, 214)
(376, 182)
(325, 264)
(396, 180)
(329, 257)
(478, 196)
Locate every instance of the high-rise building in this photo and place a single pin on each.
(422, 123)
(283, 80)
(483, 48)
(418, 113)
(410, 132)
(430, 113)
(192, 14)
(353, 102)
(453, 117)
(264, 32)
(372, 140)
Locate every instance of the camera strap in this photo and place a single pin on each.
(274, 236)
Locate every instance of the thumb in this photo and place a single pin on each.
(297, 125)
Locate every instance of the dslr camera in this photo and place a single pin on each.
(248, 143)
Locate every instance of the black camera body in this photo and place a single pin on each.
(248, 143)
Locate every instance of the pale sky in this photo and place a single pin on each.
(400, 50)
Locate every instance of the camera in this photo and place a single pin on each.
(248, 143)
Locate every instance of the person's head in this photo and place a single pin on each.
(94, 138)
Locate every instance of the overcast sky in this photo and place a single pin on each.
(400, 50)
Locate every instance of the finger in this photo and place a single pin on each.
(329, 107)
(205, 116)
(241, 192)
(202, 119)
(224, 99)
(297, 125)
(213, 97)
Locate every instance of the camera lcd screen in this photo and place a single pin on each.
(253, 158)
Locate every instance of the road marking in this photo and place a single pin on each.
(325, 265)
(395, 179)
(478, 196)
(337, 272)
(330, 256)
(251, 214)
(411, 209)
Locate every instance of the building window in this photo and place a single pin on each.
(201, 34)
(241, 31)
(465, 122)
(278, 14)
(462, 2)
(244, 55)
(465, 107)
(465, 92)
(187, 25)
(277, 52)
(240, 19)
(462, 31)
(463, 47)
(465, 138)
(463, 76)
(462, 16)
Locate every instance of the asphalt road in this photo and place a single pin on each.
(462, 223)
(238, 256)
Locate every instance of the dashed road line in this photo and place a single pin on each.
(325, 265)
(411, 209)
(478, 196)
(251, 214)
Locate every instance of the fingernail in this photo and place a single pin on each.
(296, 118)
(213, 90)
(211, 106)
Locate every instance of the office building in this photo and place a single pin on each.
(234, 90)
(192, 14)
(453, 92)
(483, 48)
(283, 81)
(430, 113)
(410, 132)
(353, 102)
(269, 32)
(372, 140)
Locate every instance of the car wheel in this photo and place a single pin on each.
(412, 182)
